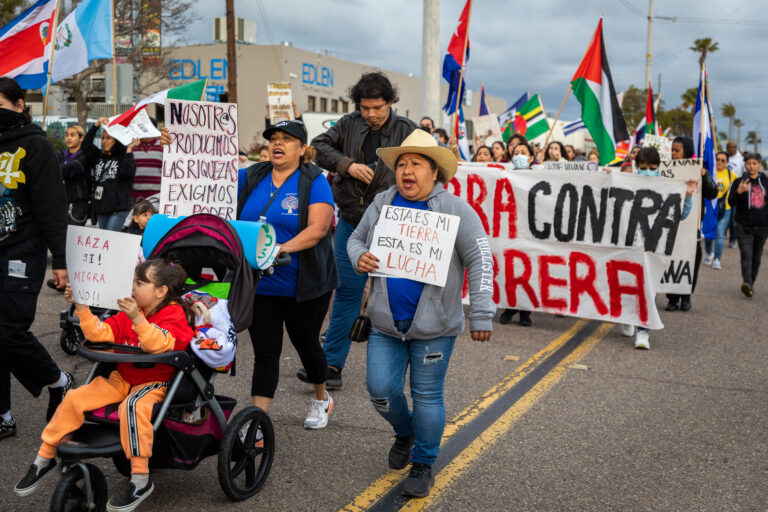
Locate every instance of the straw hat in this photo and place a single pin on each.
(422, 143)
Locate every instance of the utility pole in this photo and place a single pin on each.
(650, 41)
(231, 53)
(430, 61)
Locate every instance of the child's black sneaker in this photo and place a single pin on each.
(419, 481)
(32, 479)
(130, 497)
(7, 428)
(57, 395)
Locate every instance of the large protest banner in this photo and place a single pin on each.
(572, 246)
(100, 265)
(200, 164)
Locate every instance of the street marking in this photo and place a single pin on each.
(387, 482)
(454, 469)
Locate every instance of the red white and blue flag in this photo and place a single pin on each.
(25, 45)
(485, 109)
(456, 59)
(460, 132)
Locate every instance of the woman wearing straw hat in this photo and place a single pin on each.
(416, 323)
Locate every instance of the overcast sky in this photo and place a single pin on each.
(518, 45)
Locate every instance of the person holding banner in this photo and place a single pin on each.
(111, 170)
(725, 178)
(748, 195)
(499, 151)
(294, 196)
(33, 219)
(555, 152)
(483, 155)
(415, 324)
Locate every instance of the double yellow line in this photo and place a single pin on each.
(453, 470)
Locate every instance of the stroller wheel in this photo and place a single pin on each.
(70, 339)
(70, 494)
(246, 453)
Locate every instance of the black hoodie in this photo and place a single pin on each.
(113, 172)
(32, 199)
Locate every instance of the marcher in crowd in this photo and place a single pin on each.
(499, 151)
(570, 153)
(33, 220)
(633, 153)
(736, 165)
(416, 324)
(483, 154)
(442, 136)
(143, 210)
(242, 159)
(724, 178)
(263, 152)
(296, 199)
(748, 196)
(148, 155)
(349, 149)
(427, 124)
(513, 141)
(111, 170)
(593, 155)
(555, 151)
(647, 164)
(682, 147)
(522, 158)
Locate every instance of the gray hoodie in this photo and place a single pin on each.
(439, 312)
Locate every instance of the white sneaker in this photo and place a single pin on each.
(628, 330)
(642, 340)
(318, 413)
(716, 264)
(709, 258)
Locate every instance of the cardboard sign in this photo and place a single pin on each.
(662, 144)
(586, 165)
(100, 264)
(139, 128)
(487, 129)
(279, 99)
(200, 164)
(414, 244)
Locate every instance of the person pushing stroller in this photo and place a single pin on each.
(153, 318)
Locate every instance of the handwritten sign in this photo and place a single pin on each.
(200, 164)
(414, 244)
(662, 144)
(140, 128)
(279, 101)
(487, 129)
(100, 265)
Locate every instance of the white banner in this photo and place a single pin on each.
(100, 264)
(414, 244)
(200, 164)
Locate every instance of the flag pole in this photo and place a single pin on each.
(114, 64)
(52, 37)
(463, 63)
(709, 113)
(552, 128)
(701, 115)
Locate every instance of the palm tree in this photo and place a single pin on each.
(689, 98)
(738, 123)
(722, 140)
(704, 46)
(728, 111)
(753, 139)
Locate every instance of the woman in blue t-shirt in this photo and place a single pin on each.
(296, 199)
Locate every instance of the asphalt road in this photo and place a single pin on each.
(568, 417)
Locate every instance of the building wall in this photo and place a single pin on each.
(312, 75)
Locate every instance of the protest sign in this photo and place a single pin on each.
(662, 144)
(586, 165)
(100, 264)
(414, 244)
(200, 165)
(487, 129)
(140, 128)
(279, 100)
(616, 229)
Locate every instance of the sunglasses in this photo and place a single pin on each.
(722, 159)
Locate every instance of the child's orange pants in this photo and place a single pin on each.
(135, 412)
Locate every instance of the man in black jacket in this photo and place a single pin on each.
(348, 148)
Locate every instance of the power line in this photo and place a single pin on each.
(693, 19)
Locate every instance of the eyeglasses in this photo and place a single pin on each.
(722, 159)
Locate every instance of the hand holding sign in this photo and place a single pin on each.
(368, 262)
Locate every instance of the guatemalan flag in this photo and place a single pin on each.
(704, 139)
(25, 45)
(84, 35)
(454, 60)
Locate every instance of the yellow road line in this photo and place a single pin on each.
(391, 478)
(453, 471)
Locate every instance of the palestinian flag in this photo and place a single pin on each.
(193, 91)
(531, 120)
(650, 114)
(600, 111)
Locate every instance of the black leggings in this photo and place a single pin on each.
(751, 242)
(303, 321)
(674, 297)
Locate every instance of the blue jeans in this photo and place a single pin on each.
(388, 359)
(346, 301)
(719, 240)
(113, 221)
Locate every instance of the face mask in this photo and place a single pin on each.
(647, 172)
(9, 118)
(520, 161)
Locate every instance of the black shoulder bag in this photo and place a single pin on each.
(361, 327)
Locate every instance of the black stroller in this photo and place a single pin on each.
(193, 422)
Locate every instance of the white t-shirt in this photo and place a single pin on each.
(736, 164)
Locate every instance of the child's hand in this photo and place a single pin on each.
(129, 307)
(68, 296)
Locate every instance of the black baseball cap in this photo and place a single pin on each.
(293, 128)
